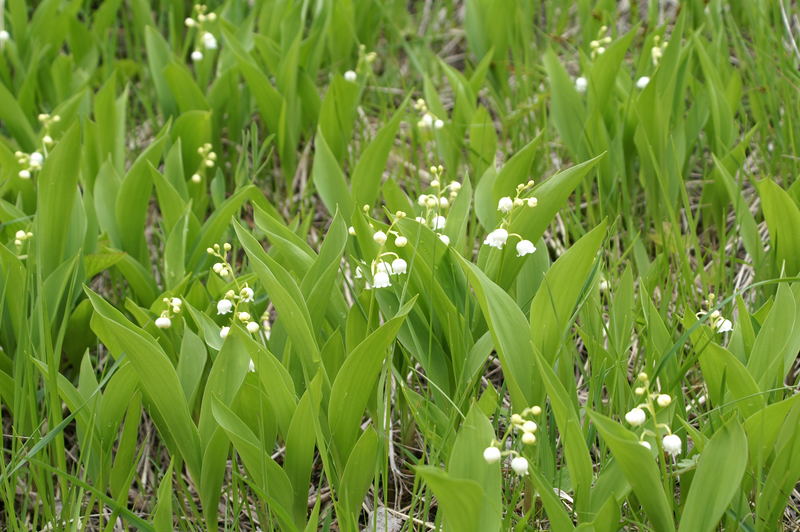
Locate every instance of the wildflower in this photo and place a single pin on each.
(455, 186)
(645, 444)
(431, 201)
(525, 247)
(244, 316)
(350, 76)
(209, 41)
(528, 438)
(536, 410)
(581, 84)
(444, 202)
(197, 56)
(359, 274)
(190, 22)
(252, 327)
(438, 222)
(351, 230)
(400, 241)
(247, 294)
(399, 266)
(426, 121)
(496, 238)
(491, 455)
(381, 280)
(445, 239)
(20, 235)
(642, 82)
(505, 204)
(224, 306)
(663, 400)
(520, 465)
(516, 419)
(224, 332)
(4, 36)
(36, 160)
(529, 426)
(24, 174)
(196, 178)
(420, 219)
(163, 322)
(422, 200)
(636, 417)
(438, 124)
(379, 237)
(639, 390)
(384, 267)
(672, 444)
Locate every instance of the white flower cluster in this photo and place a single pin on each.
(173, 304)
(21, 236)
(527, 428)
(207, 160)
(32, 162)
(243, 294)
(207, 39)
(427, 120)
(498, 237)
(657, 51)
(715, 319)
(598, 46)
(436, 204)
(637, 417)
(386, 263)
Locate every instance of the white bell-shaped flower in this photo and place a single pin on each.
(636, 417)
(497, 238)
(525, 247)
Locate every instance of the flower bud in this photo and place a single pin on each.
(663, 400)
(400, 241)
(528, 438)
(163, 322)
(636, 417)
(491, 455)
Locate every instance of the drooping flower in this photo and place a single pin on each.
(645, 444)
(520, 465)
(672, 444)
(491, 455)
(438, 222)
(497, 238)
(163, 322)
(400, 241)
(581, 84)
(636, 417)
(224, 306)
(525, 247)
(381, 280)
(224, 332)
(379, 237)
(663, 400)
(505, 204)
(445, 239)
(209, 41)
(529, 426)
(350, 76)
(252, 327)
(399, 266)
(247, 294)
(197, 56)
(528, 438)
(642, 82)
